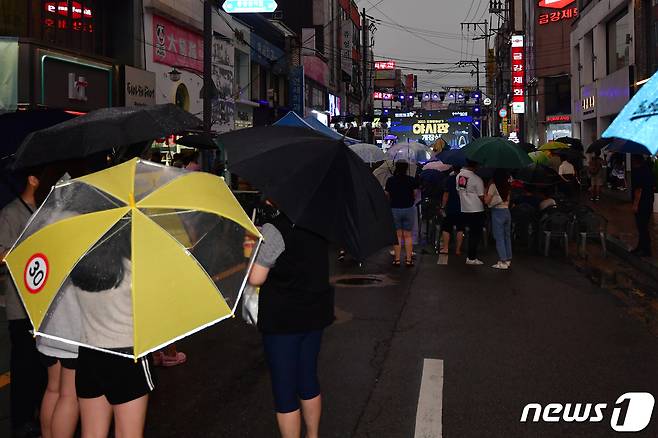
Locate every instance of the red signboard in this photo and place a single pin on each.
(518, 75)
(80, 16)
(384, 65)
(555, 4)
(558, 11)
(562, 118)
(174, 45)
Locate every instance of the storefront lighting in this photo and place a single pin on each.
(174, 75)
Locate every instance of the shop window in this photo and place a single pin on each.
(182, 97)
(619, 42)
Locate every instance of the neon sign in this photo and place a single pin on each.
(561, 12)
(77, 12)
(384, 65)
(518, 75)
(382, 96)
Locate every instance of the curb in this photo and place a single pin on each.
(618, 248)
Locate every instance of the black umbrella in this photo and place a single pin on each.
(15, 126)
(575, 143)
(569, 154)
(598, 145)
(528, 147)
(318, 182)
(101, 130)
(197, 141)
(537, 174)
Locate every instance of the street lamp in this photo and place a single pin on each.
(174, 75)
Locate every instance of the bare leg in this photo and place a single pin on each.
(65, 416)
(290, 424)
(460, 240)
(397, 248)
(408, 245)
(49, 400)
(445, 242)
(311, 411)
(96, 416)
(129, 418)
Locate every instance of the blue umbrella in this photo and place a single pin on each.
(454, 157)
(628, 147)
(638, 120)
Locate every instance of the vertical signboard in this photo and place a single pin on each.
(223, 106)
(346, 49)
(296, 89)
(518, 75)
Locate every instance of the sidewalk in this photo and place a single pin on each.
(622, 235)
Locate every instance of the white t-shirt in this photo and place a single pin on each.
(470, 187)
(566, 168)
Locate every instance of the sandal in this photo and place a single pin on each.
(409, 263)
(396, 262)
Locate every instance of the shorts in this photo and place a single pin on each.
(48, 361)
(403, 218)
(293, 363)
(453, 220)
(119, 379)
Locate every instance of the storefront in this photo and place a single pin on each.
(138, 86)
(558, 125)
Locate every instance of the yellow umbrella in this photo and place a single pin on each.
(170, 243)
(552, 145)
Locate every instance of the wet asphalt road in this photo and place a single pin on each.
(540, 332)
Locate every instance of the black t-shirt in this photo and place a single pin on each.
(642, 178)
(401, 191)
(453, 206)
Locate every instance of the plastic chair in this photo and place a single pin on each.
(592, 225)
(524, 222)
(556, 226)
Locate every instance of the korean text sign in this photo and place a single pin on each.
(174, 45)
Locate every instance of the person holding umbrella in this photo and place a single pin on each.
(471, 197)
(402, 191)
(497, 199)
(295, 305)
(642, 181)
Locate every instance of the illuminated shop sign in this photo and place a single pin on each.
(79, 15)
(454, 127)
(518, 75)
(562, 118)
(384, 65)
(382, 96)
(559, 11)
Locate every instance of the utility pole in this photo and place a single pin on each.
(207, 66)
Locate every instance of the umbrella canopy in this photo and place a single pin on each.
(537, 174)
(598, 145)
(411, 152)
(131, 258)
(528, 147)
(453, 157)
(553, 145)
(292, 119)
(15, 126)
(628, 147)
(385, 171)
(437, 165)
(324, 129)
(369, 152)
(496, 152)
(101, 130)
(572, 142)
(197, 141)
(570, 153)
(638, 120)
(319, 183)
(539, 157)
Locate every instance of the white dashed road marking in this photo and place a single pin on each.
(430, 401)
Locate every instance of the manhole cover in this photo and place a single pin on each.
(361, 280)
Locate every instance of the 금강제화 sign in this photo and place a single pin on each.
(249, 6)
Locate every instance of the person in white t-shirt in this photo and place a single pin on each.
(471, 196)
(568, 174)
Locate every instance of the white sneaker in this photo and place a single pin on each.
(508, 263)
(500, 265)
(474, 261)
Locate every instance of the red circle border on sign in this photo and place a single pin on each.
(45, 280)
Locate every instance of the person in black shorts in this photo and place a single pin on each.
(451, 207)
(109, 383)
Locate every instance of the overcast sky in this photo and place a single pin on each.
(433, 34)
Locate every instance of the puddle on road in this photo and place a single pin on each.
(370, 280)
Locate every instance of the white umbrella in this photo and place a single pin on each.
(412, 152)
(385, 171)
(369, 152)
(437, 165)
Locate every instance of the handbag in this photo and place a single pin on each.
(250, 305)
